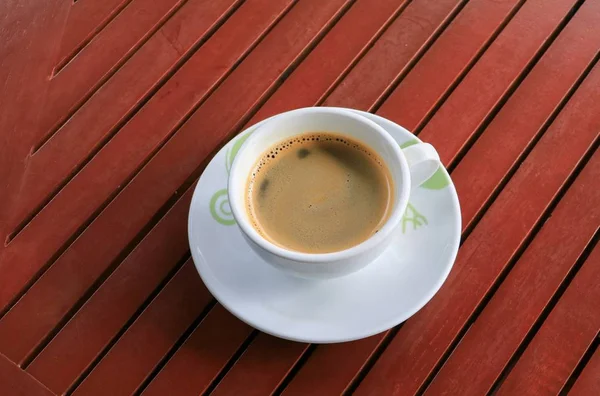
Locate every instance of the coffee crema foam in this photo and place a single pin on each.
(319, 193)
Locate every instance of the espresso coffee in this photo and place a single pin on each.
(319, 193)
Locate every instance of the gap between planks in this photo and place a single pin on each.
(186, 334)
(91, 36)
(121, 331)
(585, 359)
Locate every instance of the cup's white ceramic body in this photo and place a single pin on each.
(409, 167)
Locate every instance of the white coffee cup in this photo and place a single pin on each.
(409, 167)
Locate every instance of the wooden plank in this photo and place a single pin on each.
(530, 19)
(562, 340)
(393, 53)
(124, 368)
(60, 158)
(86, 19)
(172, 168)
(203, 355)
(16, 382)
(115, 302)
(423, 340)
(426, 85)
(588, 382)
(24, 81)
(522, 297)
(100, 58)
(258, 373)
(128, 150)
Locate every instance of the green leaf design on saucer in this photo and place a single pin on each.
(409, 143)
(230, 155)
(438, 181)
(411, 215)
(219, 208)
(219, 203)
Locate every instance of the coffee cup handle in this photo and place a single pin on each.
(423, 162)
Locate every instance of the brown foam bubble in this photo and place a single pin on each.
(319, 192)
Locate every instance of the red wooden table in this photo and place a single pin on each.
(110, 110)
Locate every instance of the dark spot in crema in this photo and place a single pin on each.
(264, 185)
(303, 153)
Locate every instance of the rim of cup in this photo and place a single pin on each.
(241, 216)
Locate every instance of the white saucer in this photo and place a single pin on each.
(384, 294)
